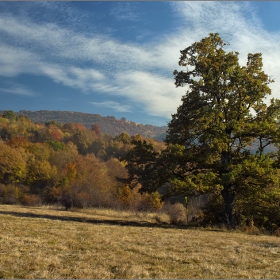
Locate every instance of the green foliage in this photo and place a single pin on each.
(82, 141)
(141, 165)
(9, 115)
(56, 145)
(98, 147)
(123, 137)
(51, 123)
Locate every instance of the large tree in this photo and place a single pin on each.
(224, 123)
(219, 139)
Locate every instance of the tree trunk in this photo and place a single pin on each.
(227, 192)
(228, 196)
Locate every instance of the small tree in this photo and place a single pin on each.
(9, 115)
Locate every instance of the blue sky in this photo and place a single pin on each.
(117, 58)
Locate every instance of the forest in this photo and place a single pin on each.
(66, 164)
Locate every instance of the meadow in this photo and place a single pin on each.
(48, 242)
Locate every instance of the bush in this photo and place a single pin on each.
(9, 194)
(176, 213)
(31, 200)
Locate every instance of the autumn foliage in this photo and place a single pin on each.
(65, 164)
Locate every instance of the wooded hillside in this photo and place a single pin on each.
(109, 125)
(67, 164)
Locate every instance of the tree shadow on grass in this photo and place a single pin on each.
(92, 221)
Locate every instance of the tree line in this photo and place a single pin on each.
(109, 125)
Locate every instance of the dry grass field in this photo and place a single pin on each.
(52, 243)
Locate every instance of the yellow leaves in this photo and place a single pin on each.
(40, 172)
(155, 200)
(129, 197)
(125, 195)
(39, 150)
(12, 164)
(71, 148)
(71, 171)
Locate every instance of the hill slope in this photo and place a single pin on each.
(109, 125)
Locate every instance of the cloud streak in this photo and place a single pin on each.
(115, 106)
(18, 89)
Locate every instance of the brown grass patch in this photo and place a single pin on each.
(50, 243)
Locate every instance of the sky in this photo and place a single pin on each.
(117, 58)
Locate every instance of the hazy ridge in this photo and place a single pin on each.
(109, 125)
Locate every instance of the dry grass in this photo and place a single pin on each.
(49, 243)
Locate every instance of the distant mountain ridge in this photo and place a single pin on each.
(109, 125)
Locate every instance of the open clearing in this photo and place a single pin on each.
(51, 243)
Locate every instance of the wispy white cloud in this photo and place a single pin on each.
(154, 94)
(140, 73)
(17, 89)
(85, 79)
(53, 43)
(115, 106)
(15, 60)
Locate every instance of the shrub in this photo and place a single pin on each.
(31, 200)
(176, 212)
(9, 194)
